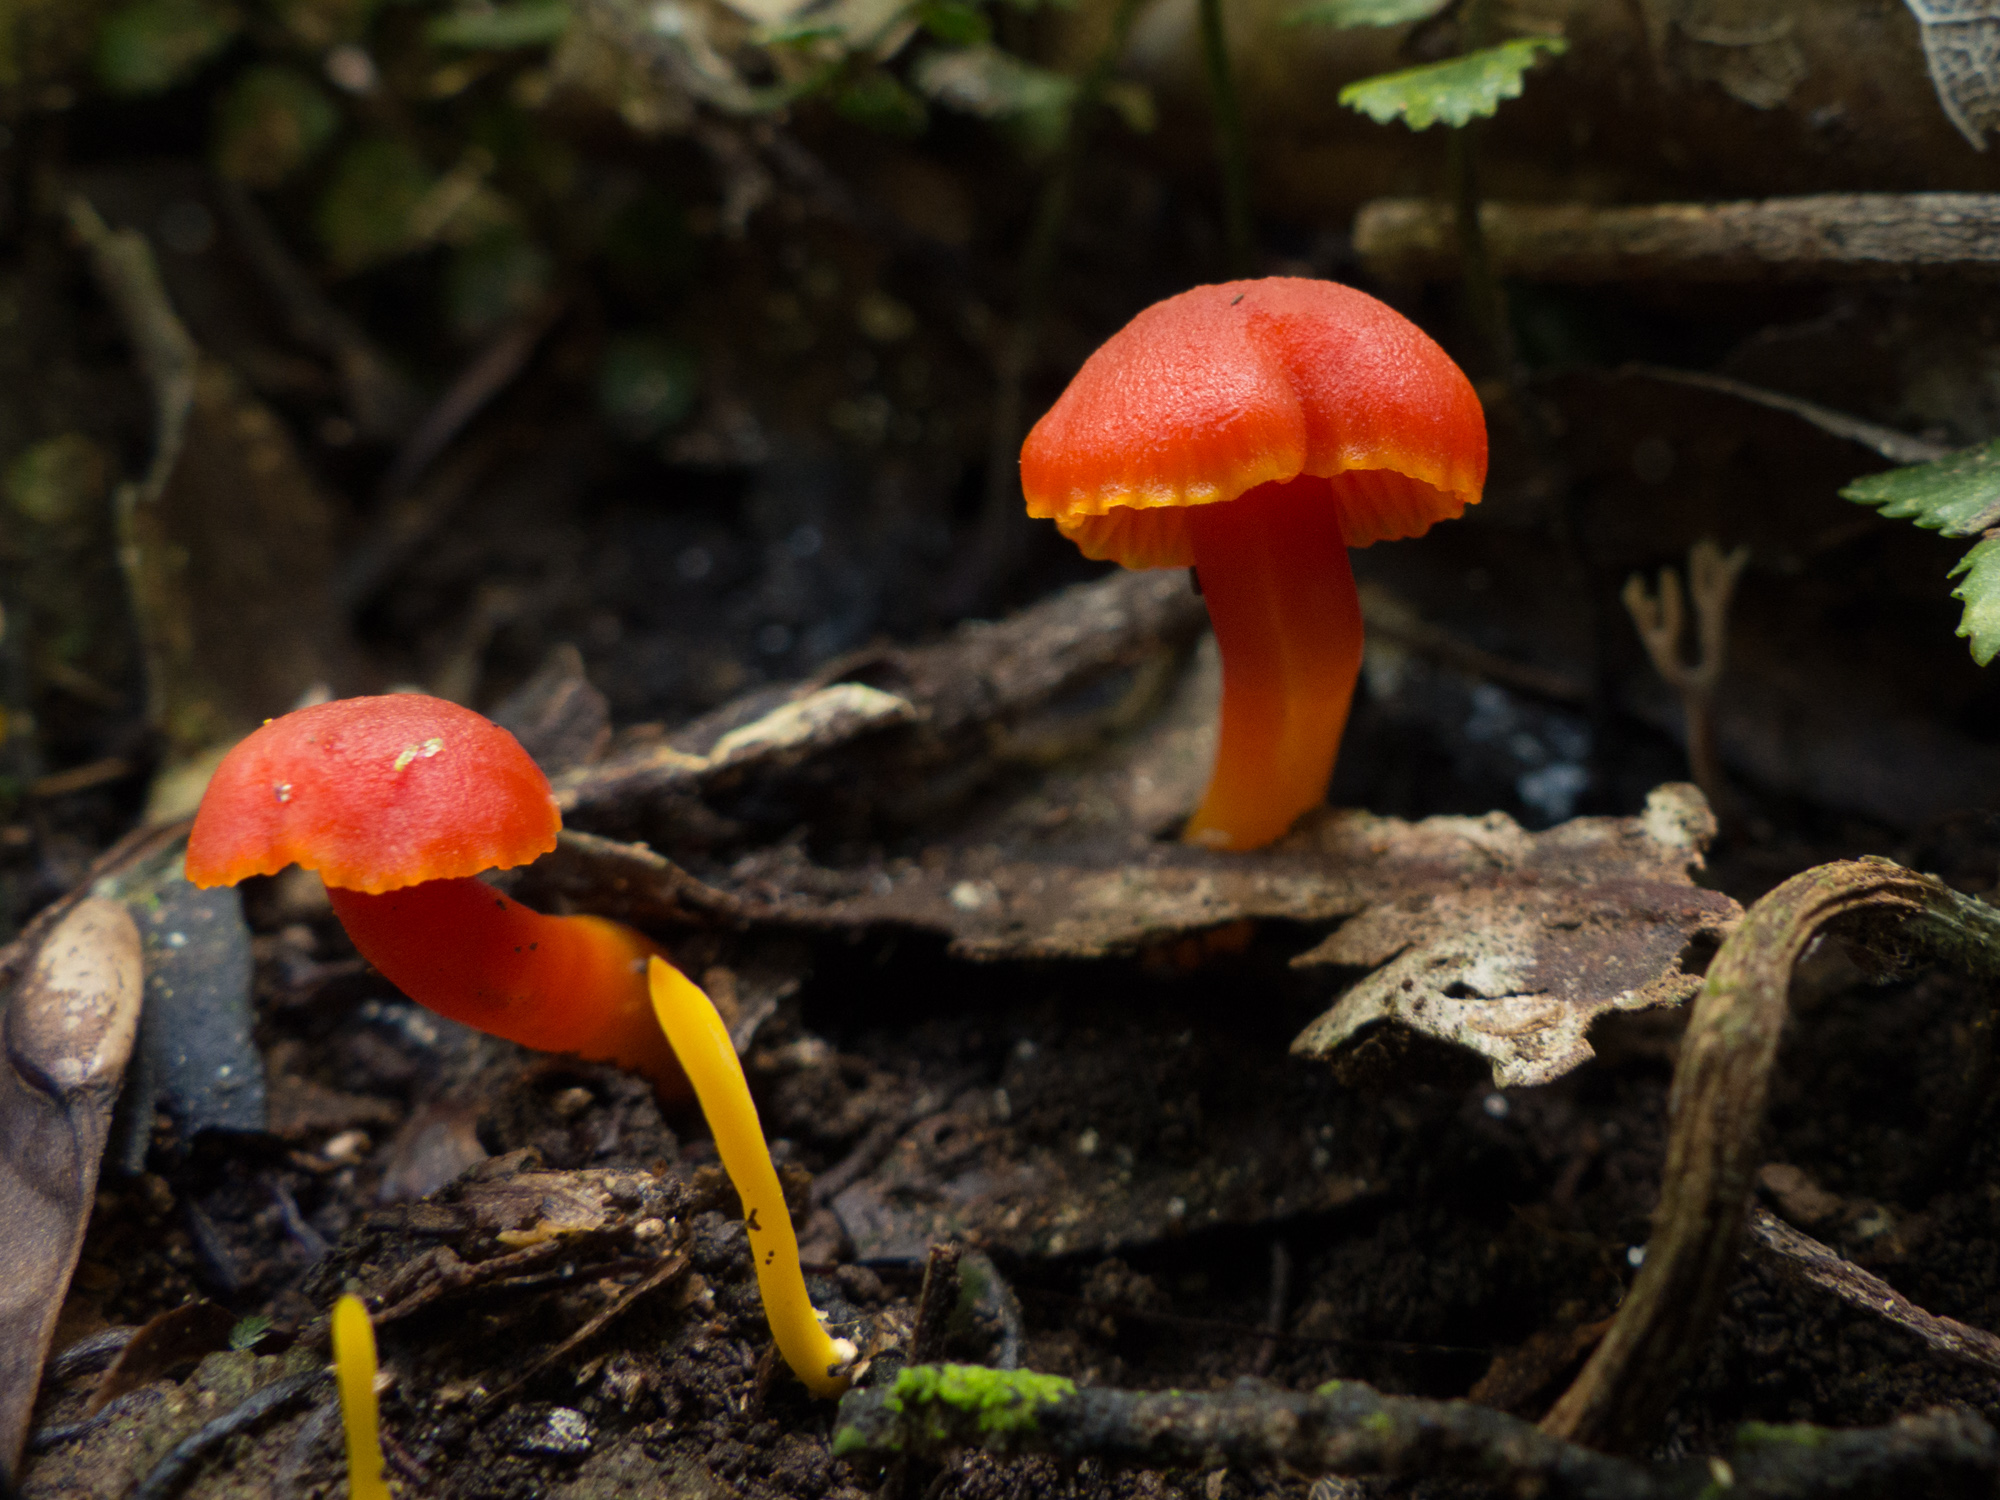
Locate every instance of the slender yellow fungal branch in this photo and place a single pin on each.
(354, 1372)
(702, 1043)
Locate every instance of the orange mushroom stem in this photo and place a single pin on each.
(557, 984)
(1255, 431)
(1273, 568)
(398, 802)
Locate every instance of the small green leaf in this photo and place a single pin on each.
(512, 23)
(60, 481)
(878, 100)
(247, 1332)
(1343, 13)
(369, 209)
(1133, 103)
(1980, 594)
(271, 122)
(1958, 495)
(1453, 91)
(955, 23)
(150, 45)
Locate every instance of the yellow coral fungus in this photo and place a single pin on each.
(354, 1372)
(702, 1043)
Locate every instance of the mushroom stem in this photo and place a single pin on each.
(354, 1374)
(558, 984)
(1273, 568)
(689, 1020)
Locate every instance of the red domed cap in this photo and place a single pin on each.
(1210, 394)
(375, 794)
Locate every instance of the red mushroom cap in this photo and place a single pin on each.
(1209, 394)
(375, 794)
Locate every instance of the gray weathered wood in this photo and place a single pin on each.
(1835, 236)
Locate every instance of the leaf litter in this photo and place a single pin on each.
(905, 801)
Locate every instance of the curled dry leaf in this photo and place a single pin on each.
(68, 1030)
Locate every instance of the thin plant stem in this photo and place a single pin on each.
(1231, 146)
(1484, 299)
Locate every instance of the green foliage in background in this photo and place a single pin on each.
(148, 45)
(1957, 496)
(271, 121)
(412, 123)
(1344, 13)
(44, 41)
(518, 23)
(368, 213)
(494, 277)
(1452, 92)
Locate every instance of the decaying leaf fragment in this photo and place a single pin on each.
(1589, 917)
(68, 1031)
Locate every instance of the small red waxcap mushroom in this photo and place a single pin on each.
(398, 801)
(1255, 431)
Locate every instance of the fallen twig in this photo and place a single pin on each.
(1716, 1115)
(1835, 236)
(1804, 1258)
(173, 1471)
(1347, 1428)
(1897, 447)
(670, 1268)
(962, 703)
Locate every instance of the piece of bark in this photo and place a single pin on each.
(557, 715)
(1831, 237)
(895, 735)
(68, 1028)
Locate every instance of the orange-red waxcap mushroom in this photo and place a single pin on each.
(1208, 395)
(398, 802)
(1255, 431)
(374, 794)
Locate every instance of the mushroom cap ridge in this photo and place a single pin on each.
(1211, 393)
(374, 794)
